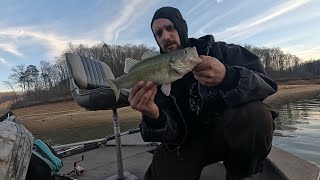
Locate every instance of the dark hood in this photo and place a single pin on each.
(174, 15)
(202, 44)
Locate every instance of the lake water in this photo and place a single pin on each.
(298, 128)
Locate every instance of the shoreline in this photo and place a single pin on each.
(67, 115)
(288, 93)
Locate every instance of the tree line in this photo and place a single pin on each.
(48, 81)
(282, 66)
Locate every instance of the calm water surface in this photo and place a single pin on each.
(298, 128)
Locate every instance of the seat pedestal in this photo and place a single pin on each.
(121, 175)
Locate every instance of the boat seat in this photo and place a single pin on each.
(88, 86)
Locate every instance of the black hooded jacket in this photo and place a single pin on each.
(190, 104)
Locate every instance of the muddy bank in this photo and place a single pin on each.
(289, 93)
(67, 122)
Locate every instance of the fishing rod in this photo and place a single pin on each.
(75, 148)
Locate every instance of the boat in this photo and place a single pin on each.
(127, 155)
(100, 161)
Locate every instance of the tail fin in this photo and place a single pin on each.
(114, 87)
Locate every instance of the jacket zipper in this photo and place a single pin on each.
(186, 130)
(181, 115)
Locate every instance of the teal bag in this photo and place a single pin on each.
(42, 151)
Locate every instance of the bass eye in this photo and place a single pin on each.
(185, 51)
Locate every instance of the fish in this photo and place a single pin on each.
(161, 69)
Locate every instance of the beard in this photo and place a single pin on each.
(171, 49)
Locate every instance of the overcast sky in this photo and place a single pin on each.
(31, 31)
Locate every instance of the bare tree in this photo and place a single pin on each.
(46, 74)
(18, 76)
(10, 85)
(32, 74)
(61, 68)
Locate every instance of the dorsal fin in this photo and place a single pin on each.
(128, 64)
(149, 54)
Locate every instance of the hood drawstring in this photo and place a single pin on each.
(209, 46)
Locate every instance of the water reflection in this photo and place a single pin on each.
(297, 128)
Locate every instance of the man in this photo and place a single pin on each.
(214, 113)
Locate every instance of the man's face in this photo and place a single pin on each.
(166, 35)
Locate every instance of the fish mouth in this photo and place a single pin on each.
(176, 71)
(195, 55)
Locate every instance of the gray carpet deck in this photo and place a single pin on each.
(101, 163)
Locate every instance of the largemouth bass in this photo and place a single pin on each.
(162, 69)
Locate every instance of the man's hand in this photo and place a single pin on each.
(141, 99)
(210, 72)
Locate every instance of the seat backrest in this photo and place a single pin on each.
(88, 73)
(88, 86)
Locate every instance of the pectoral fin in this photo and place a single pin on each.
(166, 89)
(111, 83)
(178, 68)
